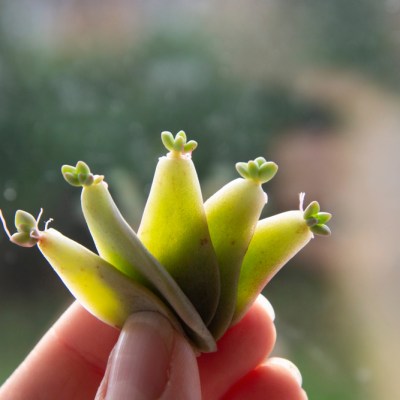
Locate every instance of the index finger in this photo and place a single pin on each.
(68, 362)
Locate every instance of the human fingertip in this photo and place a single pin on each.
(267, 306)
(289, 366)
(132, 371)
(304, 394)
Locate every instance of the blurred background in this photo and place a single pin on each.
(312, 85)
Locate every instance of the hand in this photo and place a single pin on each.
(80, 356)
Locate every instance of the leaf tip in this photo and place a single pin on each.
(259, 170)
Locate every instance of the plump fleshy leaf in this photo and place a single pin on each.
(174, 229)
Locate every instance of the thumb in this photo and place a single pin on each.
(151, 360)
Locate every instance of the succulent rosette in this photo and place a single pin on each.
(200, 264)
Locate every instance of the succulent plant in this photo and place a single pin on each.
(201, 264)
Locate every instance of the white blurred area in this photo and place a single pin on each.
(353, 171)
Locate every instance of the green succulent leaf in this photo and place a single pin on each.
(323, 217)
(242, 169)
(103, 290)
(68, 169)
(260, 161)
(24, 221)
(322, 230)
(311, 221)
(23, 239)
(80, 175)
(174, 230)
(118, 244)
(275, 241)
(82, 168)
(316, 219)
(168, 140)
(177, 146)
(232, 214)
(258, 170)
(72, 179)
(311, 210)
(27, 234)
(189, 146)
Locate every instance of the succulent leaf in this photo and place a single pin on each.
(311, 221)
(177, 146)
(72, 179)
(24, 221)
(118, 244)
(311, 210)
(23, 239)
(275, 241)
(258, 170)
(323, 217)
(322, 230)
(316, 219)
(232, 214)
(242, 169)
(174, 229)
(80, 175)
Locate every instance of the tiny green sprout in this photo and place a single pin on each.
(80, 175)
(324, 217)
(259, 170)
(315, 219)
(179, 145)
(27, 234)
(24, 221)
(311, 210)
(322, 230)
(311, 221)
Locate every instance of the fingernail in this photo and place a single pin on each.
(267, 306)
(289, 366)
(138, 367)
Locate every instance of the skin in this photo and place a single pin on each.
(71, 359)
